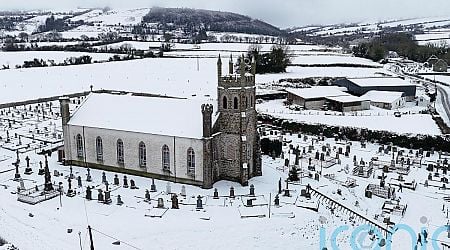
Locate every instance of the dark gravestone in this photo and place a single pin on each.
(125, 181)
(133, 184)
(231, 192)
(175, 202)
(116, 180)
(88, 193)
(216, 194)
(80, 184)
(88, 177)
(252, 190)
(147, 195)
(28, 169)
(108, 197)
(279, 186)
(41, 170)
(160, 203)
(153, 186)
(199, 202)
(104, 177)
(250, 203)
(277, 200)
(100, 196)
(119, 200)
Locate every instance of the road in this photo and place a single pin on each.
(445, 100)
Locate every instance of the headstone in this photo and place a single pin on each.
(277, 200)
(119, 200)
(88, 177)
(216, 194)
(100, 196)
(107, 197)
(125, 181)
(147, 195)
(133, 184)
(28, 169)
(22, 185)
(48, 186)
(199, 202)
(153, 186)
(249, 202)
(232, 192)
(183, 191)
(168, 188)
(116, 180)
(70, 191)
(17, 174)
(71, 176)
(175, 201)
(252, 190)
(279, 186)
(80, 184)
(88, 193)
(55, 173)
(104, 177)
(160, 203)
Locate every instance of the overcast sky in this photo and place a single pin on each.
(282, 13)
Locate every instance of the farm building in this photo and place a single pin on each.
(347, 103)
(385, 99)
(315, 97)
(360, 86)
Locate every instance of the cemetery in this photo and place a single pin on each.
(315, 181)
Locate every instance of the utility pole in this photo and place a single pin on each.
(90, 237)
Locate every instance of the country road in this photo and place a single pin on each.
(445, 100)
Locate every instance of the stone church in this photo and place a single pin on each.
(182, 140)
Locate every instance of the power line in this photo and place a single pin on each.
(109, 236)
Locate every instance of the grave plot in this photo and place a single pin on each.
(394, 208)
(253, 211)
(362, 169)
(402, 182)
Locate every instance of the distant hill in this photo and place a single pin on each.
(210, 21)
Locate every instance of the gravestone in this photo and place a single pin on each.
(116, 180)
(133, 184)
(175, 201)
(125, 181)
(147, 195)
(22, 185)
(28, 169)
(55, 173)
(108, 199)
(231, 192)
(17, 174)
(168, 188)
(104, 177)
(279, 186)
(88, 177)
(216, 194)
(70, 191)
(199, 202)
(183, 191)
(252, 190)
(100, 196)
(249, 202)
(88, 193)
(71, 176)
(153, 186)
(119, 200)
(80, 184)
(160, 203)
(277, 200)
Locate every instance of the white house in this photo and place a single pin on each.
(385, 99)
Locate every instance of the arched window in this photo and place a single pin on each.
(99, 148)
(142, 155)
(165, 158)
(79, 146)
(236, 104)
(191, 162)
(225, 102)
(246, 102)
(120, 153)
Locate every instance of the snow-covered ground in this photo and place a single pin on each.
(222, 223)
(17, 58)
(375, 119)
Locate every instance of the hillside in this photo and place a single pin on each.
(210, 20)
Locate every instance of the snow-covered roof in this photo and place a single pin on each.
(380, 81)
(382, 96)
(151, 115)
(347, 99)
(318, 92)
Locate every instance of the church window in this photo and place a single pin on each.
(120, 153)
(165, 158)
(225, 102)
(79, 146)
(191, 162)
(246, 102)
(236, 103)
(99, 148)
(142, 155)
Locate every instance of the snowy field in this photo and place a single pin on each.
(341, 59)
(225, 223)
(375, 119)
(17, 58)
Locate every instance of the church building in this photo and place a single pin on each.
(192, 141)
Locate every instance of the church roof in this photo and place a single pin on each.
(150, 115)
